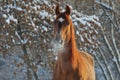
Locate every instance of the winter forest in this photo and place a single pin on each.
(26, 33)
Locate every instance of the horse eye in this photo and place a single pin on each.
(56, 22)
(66, 23)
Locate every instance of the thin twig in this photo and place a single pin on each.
(105, 74)
(47, 25)
(104, 5)
(106, 63)
(115, 46)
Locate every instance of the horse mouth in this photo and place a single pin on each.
(57, 45)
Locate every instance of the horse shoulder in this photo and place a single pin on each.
(88, 57)
(86, 67)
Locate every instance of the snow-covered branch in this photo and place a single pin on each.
(104, 5)
(115, 46)
(105, 61)
(110, 48)
(102, 67)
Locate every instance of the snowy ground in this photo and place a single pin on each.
(12, 67)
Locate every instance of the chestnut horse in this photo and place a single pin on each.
(72, 64)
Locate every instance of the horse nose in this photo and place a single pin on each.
(57, 37)
(61, 41)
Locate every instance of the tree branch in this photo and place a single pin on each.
(115, 46)
(110, 48)
(102, 67)
(106, 63)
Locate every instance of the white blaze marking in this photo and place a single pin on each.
(61, 19)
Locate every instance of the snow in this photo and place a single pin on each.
(44, 28)
(11, 18)
(16, 33)
(47, 3)
(77, 32)
(76, 24)
(7, 34)
(24, 41)
(61, 20)
(35, 29)
(34, 8)
(15, 7)
(10, 67)
(89, 39)
(73, 16)
(4, 16)
(81, 38)
(43, 14)
(56, 58)
(85, 19)
(96, 31)
(81, 29)
(13, 40)
(94, 37)
(33, 24)
(44, 41)
(51, 19)
(8, 21)
(114, 59)
(82, 20)
(6, 46)
(104, 4)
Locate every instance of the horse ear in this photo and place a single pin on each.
(57, 10)
(68, 10)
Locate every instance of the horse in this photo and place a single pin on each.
(71, 64)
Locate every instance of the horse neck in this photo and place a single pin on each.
(71, 45)
(72, 41)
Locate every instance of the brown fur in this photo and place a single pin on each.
(72, 64)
